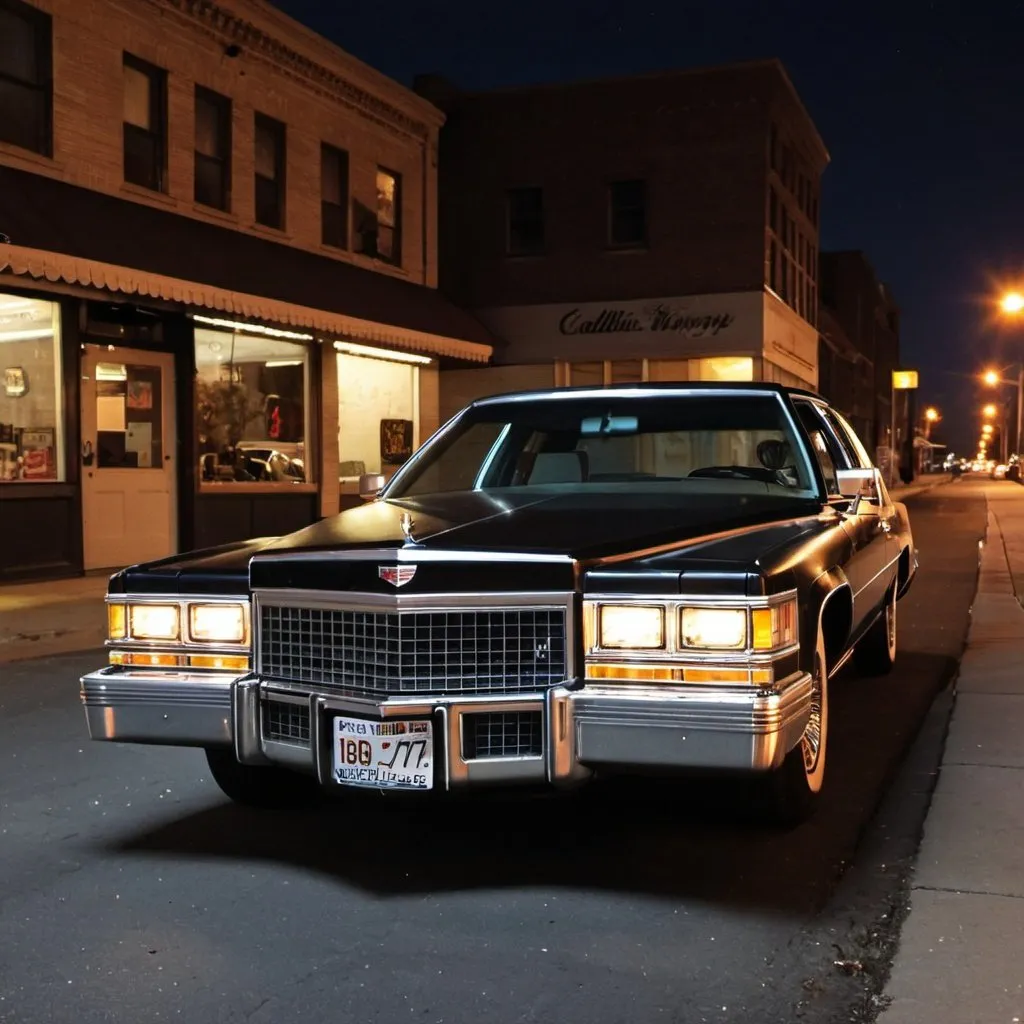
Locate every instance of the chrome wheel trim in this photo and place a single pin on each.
(810, 742)
(890, 625)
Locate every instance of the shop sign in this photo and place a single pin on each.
(656, 318)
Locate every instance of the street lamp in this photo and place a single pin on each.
(989, 410)
(1012, 303)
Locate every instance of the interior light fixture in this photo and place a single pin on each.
(270, 363)
(236, 325)
(352, 349)
(42, 332)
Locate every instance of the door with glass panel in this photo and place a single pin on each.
(129, 493)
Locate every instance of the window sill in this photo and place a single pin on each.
(240, 487)
(278, 234)
(29, 159)
(140, 192)
(213, 213)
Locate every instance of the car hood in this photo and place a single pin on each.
(592, 528)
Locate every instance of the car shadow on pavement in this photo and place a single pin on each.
(660, 839)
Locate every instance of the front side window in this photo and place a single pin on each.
(270, 172)
(251, 408)
(627, 214)
(26, 87)
(389, 216)
(524, 210)
(31, 391)
(145, 124)
(213, 149)
(679, 446)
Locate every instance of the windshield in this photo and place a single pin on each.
(689, 444)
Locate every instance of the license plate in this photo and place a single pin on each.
(384, 755)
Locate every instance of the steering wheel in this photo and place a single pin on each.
(767, 476)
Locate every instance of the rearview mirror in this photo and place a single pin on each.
(603, 426)
(370, 485)
(859, 483)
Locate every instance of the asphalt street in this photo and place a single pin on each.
(131, 891)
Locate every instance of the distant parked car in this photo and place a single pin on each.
(559, 585)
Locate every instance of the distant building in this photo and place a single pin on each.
(654, 228)
(858, 312)
(218, 297)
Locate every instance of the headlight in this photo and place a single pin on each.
(719, 629)
(154, 622)
(217, 623)
(634, 627)
(774, 627)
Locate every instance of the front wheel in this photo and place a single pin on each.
(791, 793)
(265, 786)
(875, 655)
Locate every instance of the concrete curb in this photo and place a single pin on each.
(958, 956)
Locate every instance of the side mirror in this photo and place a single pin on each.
(860, 485)
(370, 485)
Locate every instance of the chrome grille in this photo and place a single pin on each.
(286, 723)
(502, 734)
(499, 650)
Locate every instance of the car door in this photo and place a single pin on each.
(864, 528)
(887, 512)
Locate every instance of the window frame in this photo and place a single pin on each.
(279, 132)
(158, 115)
(643, 240)
(344, 189)
(395, 259)
(540, 245)
(224, 108)
(41, 25)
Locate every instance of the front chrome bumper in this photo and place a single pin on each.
(583, 729)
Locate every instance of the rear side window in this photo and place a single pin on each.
(845, 430)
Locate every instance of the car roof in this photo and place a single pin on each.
(650, 387)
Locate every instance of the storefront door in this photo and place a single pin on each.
(128, 461)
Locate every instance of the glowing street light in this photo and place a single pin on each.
(1012, 303)
(989, 410)
(931, 414)
(987, 429)
(991, 378)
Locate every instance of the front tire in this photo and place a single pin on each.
(263, 786)
(875, 655)
(792, 792)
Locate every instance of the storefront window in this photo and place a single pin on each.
(377, 413)
(732, 368)
(31, 423)
(251, 408)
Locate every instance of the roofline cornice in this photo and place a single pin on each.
(227, 25)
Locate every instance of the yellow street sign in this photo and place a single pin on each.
(904, 380)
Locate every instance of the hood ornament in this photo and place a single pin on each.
(406, 524)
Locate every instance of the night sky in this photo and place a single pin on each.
(921, 106)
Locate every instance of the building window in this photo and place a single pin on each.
(213, 149)
(270, 172)
(627, 214)
(31, 391)
(378, 409)
(722, 368)
(145, 124)
(333, 196)
(389, 216)
(524, 211)
(26, 82)
(251, 408)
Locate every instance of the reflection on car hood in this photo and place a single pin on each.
(584, 525)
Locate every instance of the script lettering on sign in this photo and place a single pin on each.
(661, 318)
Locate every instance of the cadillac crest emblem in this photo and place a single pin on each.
(396, 575)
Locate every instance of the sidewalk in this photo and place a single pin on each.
(961, 951)
(925, 482)
(56, 617)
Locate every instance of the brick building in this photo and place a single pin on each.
(218, 275)
(662, 227)
(859, 312)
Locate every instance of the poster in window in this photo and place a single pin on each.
(395, 441)
(140, 394)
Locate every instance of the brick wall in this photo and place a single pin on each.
(376, 120)
(699, 140)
